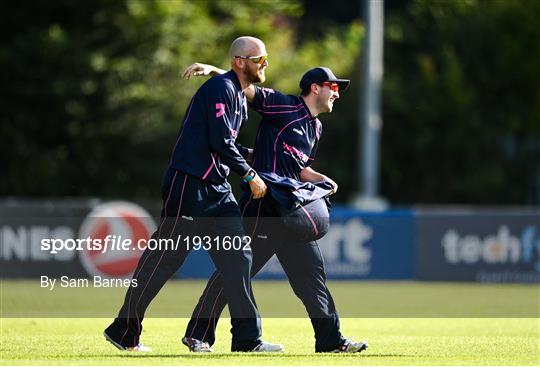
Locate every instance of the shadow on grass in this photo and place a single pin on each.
(211, 356)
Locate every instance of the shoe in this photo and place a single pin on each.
(268, 347)
(350, 346)
(138, 348)
(196, 345)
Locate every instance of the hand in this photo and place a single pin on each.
(333, 183)
(258, 187)
(198, 69)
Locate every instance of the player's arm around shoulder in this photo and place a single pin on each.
(200, 69)
(268, 101)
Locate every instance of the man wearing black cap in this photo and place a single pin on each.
(289, 220)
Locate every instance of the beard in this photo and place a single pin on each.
(254, 76)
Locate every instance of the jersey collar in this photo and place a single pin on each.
(307, 108)
(232, 75)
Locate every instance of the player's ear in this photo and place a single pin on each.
(314, 89)
(238, 62)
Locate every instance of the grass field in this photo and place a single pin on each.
(356, 299)
(392, 340)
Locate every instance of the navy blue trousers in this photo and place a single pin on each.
(193, 207)
(303, 263)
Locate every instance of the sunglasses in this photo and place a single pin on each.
(331, 85)
(256, 59)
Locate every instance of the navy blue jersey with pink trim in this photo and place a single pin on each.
(288, 135)
(206, 143)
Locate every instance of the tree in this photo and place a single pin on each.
(462, 122)
(93, 98)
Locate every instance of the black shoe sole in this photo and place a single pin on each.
(110, 340)
(362, 348)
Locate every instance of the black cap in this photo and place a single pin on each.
(320, 75)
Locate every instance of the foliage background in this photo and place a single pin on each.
(92, 99)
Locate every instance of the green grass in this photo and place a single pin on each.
(405, 323)
(392, 342)
(357, 299)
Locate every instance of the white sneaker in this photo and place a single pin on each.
(268, 347)
(196, 345)
(350, 346)
(138, 348)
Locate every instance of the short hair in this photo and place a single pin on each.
(241, 44)
(306, 91)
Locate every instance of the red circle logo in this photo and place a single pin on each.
(118, 226)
